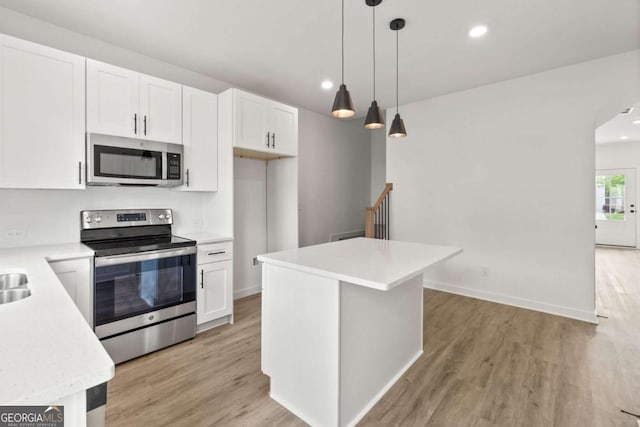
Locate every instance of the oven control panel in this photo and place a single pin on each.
(125, 218)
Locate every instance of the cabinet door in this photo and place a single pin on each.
(41, 116)
(251, 122)
(112, 100)
(76, 277)
(283, 123)
(161, 109)
(215, 293)
(200, 139)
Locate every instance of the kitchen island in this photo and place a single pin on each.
(341, 322)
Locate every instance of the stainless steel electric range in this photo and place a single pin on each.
(144, 280)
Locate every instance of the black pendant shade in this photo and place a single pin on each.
(343, 105)
(397, 129)
(374, 118)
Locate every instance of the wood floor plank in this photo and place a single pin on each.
(484, 365)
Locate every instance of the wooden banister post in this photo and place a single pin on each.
(369, 222)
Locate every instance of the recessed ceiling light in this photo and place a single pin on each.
(478, 31)
(327, 84)
(624, 137)
(636, 122)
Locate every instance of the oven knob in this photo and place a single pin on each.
(98, 218)
(161, 216)
(168, 216)
(88, 219)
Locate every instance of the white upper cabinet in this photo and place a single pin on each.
(200, 139)
(264, 126)
(122, 102)
(283, 121)
(161, 109)
(252, 115)
(112, 100)
(42, 123)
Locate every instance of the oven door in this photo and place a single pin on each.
(136, 290)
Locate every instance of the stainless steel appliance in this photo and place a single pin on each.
(113, 160)
(144, 280)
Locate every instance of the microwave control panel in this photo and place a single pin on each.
(173, 166)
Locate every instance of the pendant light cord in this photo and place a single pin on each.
(397, 72)
(374, 53)
(342, 41)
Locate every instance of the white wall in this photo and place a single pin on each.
(250, 222)
(378, 163)
(506, 172)
(53, 216)
(622, 155)
(334, 176)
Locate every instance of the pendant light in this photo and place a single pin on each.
(343, 105)
(397, 129)
(374, 118)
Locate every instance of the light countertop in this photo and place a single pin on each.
(204, 237)
(47, 349)
(375, 263)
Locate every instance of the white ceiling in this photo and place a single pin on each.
(620, 126)
(285, 48)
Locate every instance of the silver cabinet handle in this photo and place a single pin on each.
(202, 278)
(268, 134)
(135, 123)
(145, 125)
(273, 140)
(187, 177)
(217, 253)
(80, 172)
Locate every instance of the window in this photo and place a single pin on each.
(610, 198)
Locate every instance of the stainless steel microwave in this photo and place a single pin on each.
(114, 160)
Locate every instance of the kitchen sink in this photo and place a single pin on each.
(11, 295)
(12, 280)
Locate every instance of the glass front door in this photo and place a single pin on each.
(615, 207)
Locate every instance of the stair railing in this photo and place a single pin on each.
(376, 223)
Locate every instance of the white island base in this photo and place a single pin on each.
(341, 322)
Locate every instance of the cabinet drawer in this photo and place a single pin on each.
(212, 252)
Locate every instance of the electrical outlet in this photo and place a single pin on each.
(15, 233)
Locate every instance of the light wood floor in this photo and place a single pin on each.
(484, 364)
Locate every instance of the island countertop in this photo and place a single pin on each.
(47, 349)
(374, 263)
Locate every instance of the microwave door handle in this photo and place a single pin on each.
(164, 166)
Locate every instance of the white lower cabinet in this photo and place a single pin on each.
(76, 277)
(215, 285)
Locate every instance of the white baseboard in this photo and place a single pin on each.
(346, 235)
(214, 323)
(557, 310)
(241, 293)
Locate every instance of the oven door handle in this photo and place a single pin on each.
(144, 256)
